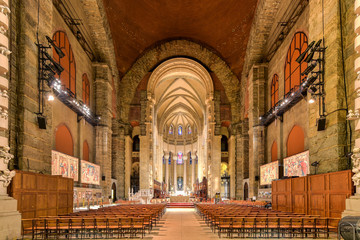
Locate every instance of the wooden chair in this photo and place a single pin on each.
(138, 226)
(224, 225)
(89, 227)
(125, 226)
(297, 227)
(113, 227)
(285, 226)
(249, 226)
(237, 226)
(76, 228)
(101, 227)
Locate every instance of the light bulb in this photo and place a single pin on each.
(51, 97)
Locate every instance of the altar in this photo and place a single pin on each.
(179, 199)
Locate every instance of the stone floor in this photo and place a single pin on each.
(184, 224)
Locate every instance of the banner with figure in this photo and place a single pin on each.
(64, 165)
(269, 172)
(90, 173)
(297, 165)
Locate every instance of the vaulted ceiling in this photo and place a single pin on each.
(222, 25)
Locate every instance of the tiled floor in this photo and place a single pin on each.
(182, 224)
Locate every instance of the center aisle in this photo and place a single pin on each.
(182, 224)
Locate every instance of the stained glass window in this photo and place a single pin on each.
(189, 129)
(190, 159)
(171, 129)
(180, 130)
(170, 159)
(180, 158)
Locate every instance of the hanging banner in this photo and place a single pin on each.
(297, 165)
(90, 173)
(269, 172)
(64, 165)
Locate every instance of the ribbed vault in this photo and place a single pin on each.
(180, 89)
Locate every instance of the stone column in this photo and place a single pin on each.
(193, 172)
(232, 172)
(257, 79)
(175, 173)
(216, 165)
(103, 131)
(118, 157)
(166, 157)
(185, 158)
(10, 218)
(128, 161)
(145, 146)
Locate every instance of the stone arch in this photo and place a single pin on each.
(176, 48)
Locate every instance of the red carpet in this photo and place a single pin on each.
(180, 205)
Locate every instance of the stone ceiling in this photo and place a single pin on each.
(222, 25)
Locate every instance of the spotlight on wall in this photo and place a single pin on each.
(301, 57)
(50, 97)
(312, 52)
(55, 66)
(312, 99)
(309, 68)
(57, 49)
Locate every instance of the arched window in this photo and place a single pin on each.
(224, 143)
(171, 129)
(180, 130)
(64, 141)
(293, 69)
(296, 142)
(68, 76)
(136, 144)
(85, 89)
(190, 161)
(274, 90)
(189, 130)
(274, 152)
(180, 158)
(85, 151)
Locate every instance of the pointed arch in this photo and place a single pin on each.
(274, 90)
(296, 141)
(293, 69)
(64, 140)
(85, 89)
(86, 151)
(274, 152)
(68, 76)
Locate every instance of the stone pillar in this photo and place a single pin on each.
(240, 132)
(166, 157)
(128, 161)
(216, 165)
(232, 172)
(175, 173)
(10, 218)
(118, 157)
(193, 172)
(145, 146)
(185, 158)
(257, 79)
(103, 132)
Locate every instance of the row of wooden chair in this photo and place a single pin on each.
(278, 227)
(94, 224)
(247, 222)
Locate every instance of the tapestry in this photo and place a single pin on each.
(64, 165)
(269, 172)
(297, 165)
(90, 173)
